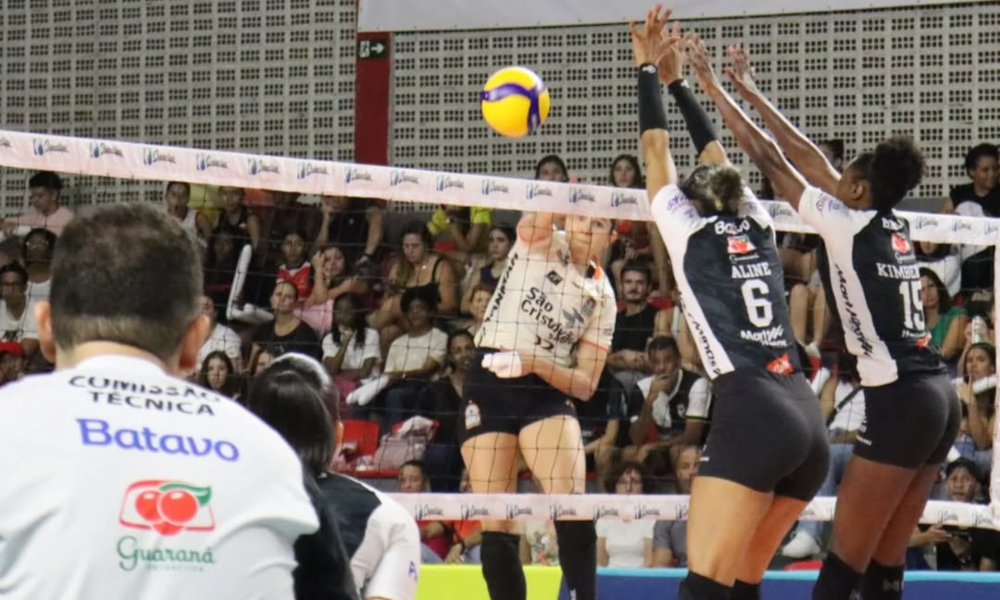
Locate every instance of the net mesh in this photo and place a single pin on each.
(295, 200)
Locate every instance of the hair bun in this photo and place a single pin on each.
(897, 167)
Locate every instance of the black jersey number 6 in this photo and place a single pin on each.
(755, 296)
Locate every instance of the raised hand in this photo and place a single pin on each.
(697, 56)
(650, 44)
(671, 64)
(741, 73)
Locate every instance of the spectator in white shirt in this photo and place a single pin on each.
(626, 543)
(46, 191)
(17, 318)
(351, 349)
(222, 338)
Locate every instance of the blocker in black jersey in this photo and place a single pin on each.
(871, 276)
(730, 277)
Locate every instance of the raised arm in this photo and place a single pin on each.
(759, 147)
(649, 47)
(809, 160)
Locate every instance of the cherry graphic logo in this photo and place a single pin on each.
(167, 507)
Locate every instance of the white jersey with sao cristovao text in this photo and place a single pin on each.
(543, 305)
(122, 482)
(731, 282)
(870, 274)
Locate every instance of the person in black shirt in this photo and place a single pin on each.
(287, 333)
(441, 400)
(602, 422)
(872, 279)
(633, 327)
(982, 164)
(755, 478)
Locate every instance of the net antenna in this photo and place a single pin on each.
(145, 162)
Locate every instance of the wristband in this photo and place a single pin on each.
(698, 124)
(651, 114)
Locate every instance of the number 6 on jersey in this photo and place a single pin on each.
(759, 309)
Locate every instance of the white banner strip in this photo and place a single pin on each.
(129, 160)
(628, 507)
(451, 15)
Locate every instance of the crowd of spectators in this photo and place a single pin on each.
(390, 303)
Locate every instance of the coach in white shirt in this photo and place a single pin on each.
(121, 480)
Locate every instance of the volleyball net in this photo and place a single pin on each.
(103, 171)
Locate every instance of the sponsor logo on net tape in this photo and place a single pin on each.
(641, 512)
(355, 174)
(577, 195)
(259, 166)
(558, 511)
(514, 511)
(151, 156)
(423, 511)
(623, 198)
(492, 186)
(474, 511)
(5, 143)
(603, 510)
(204, 162)
(44, 147)
(398, 177)
(166, 508)
(99, 149)
(444, 182)
(534, 190)
(307, 169)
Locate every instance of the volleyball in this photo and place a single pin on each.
(514, 101)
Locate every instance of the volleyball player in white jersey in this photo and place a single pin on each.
(767, 453)
(120, 479)
(871, 277)
(293, 394)
(551, 296)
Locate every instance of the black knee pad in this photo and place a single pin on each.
(698, 587)
(578, 557)
(836, 581)
(745, 591)
(502, 569)
(882, 583)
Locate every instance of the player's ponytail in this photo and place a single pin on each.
(715, 189)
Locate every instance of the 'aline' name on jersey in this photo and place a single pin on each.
(97, 432)
(750, 271)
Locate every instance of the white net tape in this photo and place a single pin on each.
(133, 161)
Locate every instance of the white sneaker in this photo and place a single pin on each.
(802, 545)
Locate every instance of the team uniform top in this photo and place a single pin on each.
(543, 305)
(123, 482)
(381, 538)
(731, 284)
(871, 275)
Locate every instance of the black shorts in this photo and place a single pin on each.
(768, 434)
(910, 422)
(494, 405)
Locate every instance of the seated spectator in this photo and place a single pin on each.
(222, 338)
(355, 225)
(414, 358)
(977, 199)
(668, 410)
(296, 269)
(418, 268)
(435, 535)
(465, 549)
(177, 197)
(539, 545)
(333, 277)
(601, 422)
(11, 362)
(486, 273)
(442, 401)
(219, 375)
(17, 314)
(47, 212)
(633, 243)
(945, 263)
(263, 359)
(236, 221)
(960, 548)
(983, 332)
(842, 401)
(221, 259)
(287, 333)
(809, 316)
(351, 349)
(945, 321)
(37, 250)
(481, 296)
(670, 537)
(626, 543)
(551, 168)
(284, 215)
(977, 398)
(633, 326)
(460, 231)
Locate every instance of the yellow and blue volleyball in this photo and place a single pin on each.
(514, 101)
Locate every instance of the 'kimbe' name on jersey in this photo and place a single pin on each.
(751, 271)
(905, 272)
